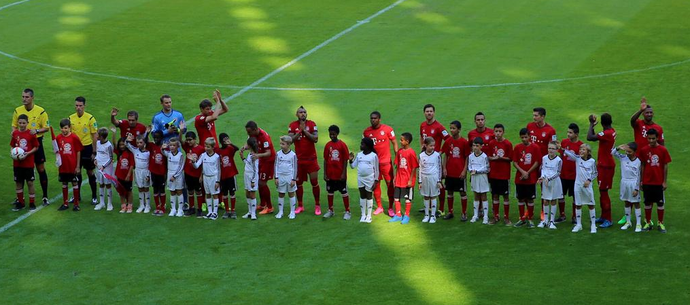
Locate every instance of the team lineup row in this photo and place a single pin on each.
(207, 172)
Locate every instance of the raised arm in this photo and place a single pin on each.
(636, 115)
(113, 120)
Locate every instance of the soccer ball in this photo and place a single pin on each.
(16, 152)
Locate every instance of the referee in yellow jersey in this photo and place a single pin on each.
(38, 125)
(85, 127)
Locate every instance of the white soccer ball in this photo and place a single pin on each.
(16, 152)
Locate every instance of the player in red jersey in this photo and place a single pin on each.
(541, 133)
(526, 159)
(305, 134)
(501, 154)
(432, 128)
(131, 126)
(159, 171)
(406, 164)
(641, 127)
(70, 148)
(24, 165)
(335, 157)
(382, 135)
(192, 175)
(267, 157)
(606, 166)
(486, 134)
(205, 122)
(228, 171)
(655, 159)
(124, 173)
(572, 143)
(455, 151)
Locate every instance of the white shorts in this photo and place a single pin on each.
(142, 177)
(284, 185)
(210, 185)
(178, 185)
(480, 183)
(552, 190)
(627, 188)
(100, 179)
(366, 182)
(248, 183)
(429, 187)
(584, 196)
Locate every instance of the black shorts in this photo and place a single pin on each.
(193, 183)
(158, 183)
(22, 174)
(499, 187)
(525, 191)
(653, 194)
(404, 193)
(455, 184)
(40, 155)
(568, 187)
(86, 161)
(125, 184)
(228, 185)
(67, 178)
(336, 185)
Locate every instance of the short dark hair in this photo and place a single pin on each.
(524, 131)
(205, 103)
(633, 146)
(29, 91)
(376, 113)
(80, 99)
(606, 119)
(253, 144)
(65, 122)
(334, 128)
(164, 96)
(574, 128)
(652, 131)
(190, 134)
(478, 140)
(479, 113)
(23, 117)
(457, 124)
(222, 136)
(407, 136)
(499, 125)
(133, 113)
(429, 106)
(369, 143)
(103, 132)
(251, 125)
(540, 110)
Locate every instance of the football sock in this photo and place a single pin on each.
(506, 209)
(92, 184)
(397, 208)
(65, 193)
(530, 211)
(77, 194)
(553, 210)
(660, 212)
(426, 207)
(627, 214)
(442, 199)
(43, 177)
(377, 195)
(281, 200)
(147, 200)
(578, 216)
(476, 209)
(521, 210)
(20, 197)
(605, 203)
(433, 207)
(233, 200)
(408, 206)
(546, 210)
(293, 204)
(370, 206)
(561, 207)
(593, 216)
(330, 201)
(486, 210)
(463, 202)
(300, 194)
(346, 202)
(495, 206)
(362, 206)
(450, 203)
(638, 216)
(316, 191)
(102, 195)
(648, 213)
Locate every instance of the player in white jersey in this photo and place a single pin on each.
(175, 177)
(630, 182)
(367, 164)
(430, 177)
(585, 173)
(251, 175)
(478, 167)
(211, 176)
(142, 175)
(286, 176)
(551, 187)
(104, 164)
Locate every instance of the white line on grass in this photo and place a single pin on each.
(13, 4)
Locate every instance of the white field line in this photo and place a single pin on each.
(13, 4)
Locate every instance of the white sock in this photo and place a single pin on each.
(426, 207)
(281, 201)
(370, 206)
(147, 199)
(110, 195)
(476, 209)
(552, 214)
(215, 205)
(102, 195)
(433, 207)
(252, 208)
(485, 207)
(209, 205)
(362, 206)
(593, 216)
(293, 204)
(627, 214)
(173, 202)
(578, 215)
(547, 211)
(638, 215)
(141, 199)
(180, 202)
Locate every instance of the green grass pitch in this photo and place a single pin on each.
(502, 57)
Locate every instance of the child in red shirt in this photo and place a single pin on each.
(228, 171)
(500, 156)
(69, 147)
(526, 157)
(335, 156)
(24, 165)
(123, 172)
(406, 164)
(655, 159)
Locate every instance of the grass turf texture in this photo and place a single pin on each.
(108, 257)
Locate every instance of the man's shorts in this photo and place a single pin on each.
(306, 167)
(605, 177)
(385, 171)
(266, 170)
(568, 187)
(86, 161)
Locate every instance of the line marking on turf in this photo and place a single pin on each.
(255, 86)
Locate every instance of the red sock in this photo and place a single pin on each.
(75, 190)
(20, 196)
(521, 210)
(377, 195)
(300, 195)
(506, 210)
(660, 213)
(190, 200)
(158, 202)
(408, 206)
(32, 200)
(648, 213)
(200, 201)
(330, 201)
(605, 203)
(265, 194)
(397, 208)
(346, 202)
(232, 203)
(442, 199)
(561, 207)
(450, 205)
(226, 203)
(161, 198)
(530, 212)
(391, 195)
(496, 208)
(316, 191)
(65, 193)
(463, 201)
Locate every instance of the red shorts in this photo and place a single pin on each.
(385, 171)
(266, 170)
(605, 177)
(306, 167)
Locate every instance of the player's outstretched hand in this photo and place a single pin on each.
(643, 103)
(352, 156)
(114, 111)
(593, 119)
